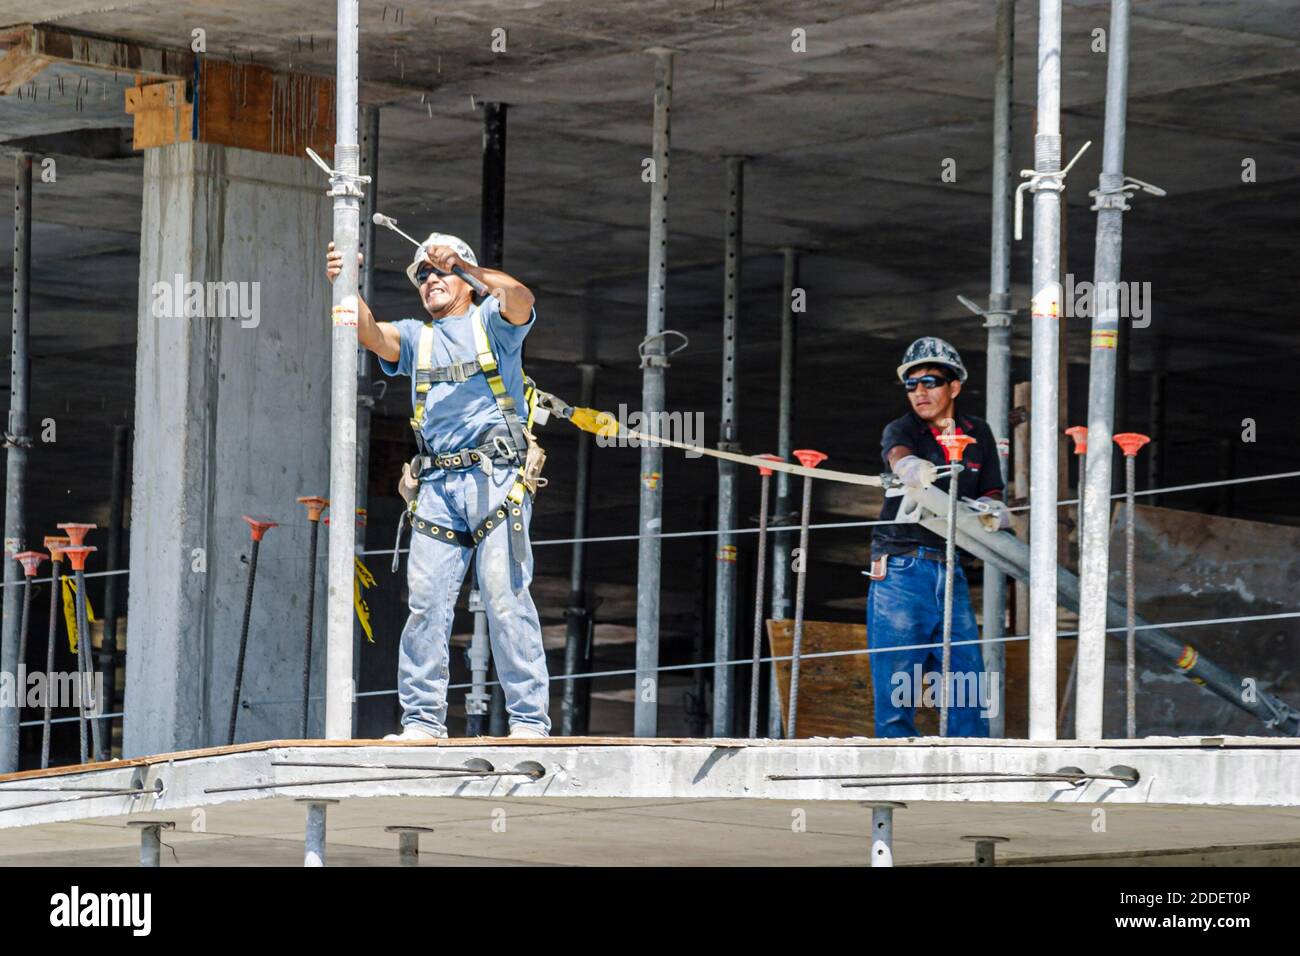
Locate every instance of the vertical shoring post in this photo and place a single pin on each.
(577, 616)
(1045, 320)
(492, 227)
(1130, 601)
(756, 670)
(646, 708)
(56, 585)
(108, 652)
(365, 392)
(1094, 557)
(492, 206)
(724, 617)
(998, 399)
(16, 443)
(343, 377)
(784, 422)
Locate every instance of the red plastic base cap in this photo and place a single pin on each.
(809, 458)
(31, 561)
(77, 532)
(954, 446)
(767, 472)
(315, 505)
(78, 553)
(55, 545)
(260, 525)
(1130, 442)
(1080, 435)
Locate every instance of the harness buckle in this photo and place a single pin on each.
(501, 445)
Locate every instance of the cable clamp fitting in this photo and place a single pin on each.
(993, 318)
(1105, 197)
(1044, 181)
(659, 359)
(341, 183)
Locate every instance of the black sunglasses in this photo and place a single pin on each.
(424, 272)
(929, 381)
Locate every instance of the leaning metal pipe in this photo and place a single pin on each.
(1094, 557)
(1045, 384)
(646, 692)
(724, 604)
(1012, 556)
(16, 444)
(346, 190)
(998, 320)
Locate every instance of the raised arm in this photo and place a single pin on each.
(515, 298)
(382, 338)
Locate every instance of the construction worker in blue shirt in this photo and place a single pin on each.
(469, 489)
(905, 601)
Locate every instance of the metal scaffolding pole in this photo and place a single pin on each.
(346, 190)
(646, 691)
(724, 617)
(1094, 557)
(1046, 187)
(492, 206)
(577, 616)
(17, 441)
(998, 321)
(365, 393)
(108, 652)
(492, 227)
(781, 542)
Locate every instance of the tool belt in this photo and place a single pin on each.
(498, 449)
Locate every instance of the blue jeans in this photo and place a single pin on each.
(904, 609)
(435, 571)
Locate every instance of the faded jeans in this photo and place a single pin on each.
(906, 609)
(435, 571)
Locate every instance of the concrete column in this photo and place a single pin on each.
(231, 418)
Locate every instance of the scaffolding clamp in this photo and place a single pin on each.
(993, 318)
(341, 183)
(657, 359)
(1038, 182)
(1110, 196)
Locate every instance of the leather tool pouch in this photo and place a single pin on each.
(879, 568)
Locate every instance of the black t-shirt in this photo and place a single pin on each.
(982, 475)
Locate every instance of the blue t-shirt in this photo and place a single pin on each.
(458, 414)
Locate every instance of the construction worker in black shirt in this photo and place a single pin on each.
(905, 602)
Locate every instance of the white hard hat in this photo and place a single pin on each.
(439, 239)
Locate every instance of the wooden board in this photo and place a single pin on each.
(835, 696)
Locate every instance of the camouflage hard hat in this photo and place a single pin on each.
(931, 351)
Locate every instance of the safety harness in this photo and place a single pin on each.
(516, 447)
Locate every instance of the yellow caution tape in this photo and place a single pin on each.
(70, 611)
(363, 579)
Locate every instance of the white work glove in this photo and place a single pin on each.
(993, 513)
(915, 472)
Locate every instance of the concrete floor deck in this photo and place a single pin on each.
(672, 802)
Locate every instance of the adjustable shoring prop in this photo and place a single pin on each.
(77, 554)
(55, 544)
(756, 674)
(953, 448)
(258, 527)
(314, 505)
(1131, 443)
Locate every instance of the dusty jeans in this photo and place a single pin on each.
(435, 571)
